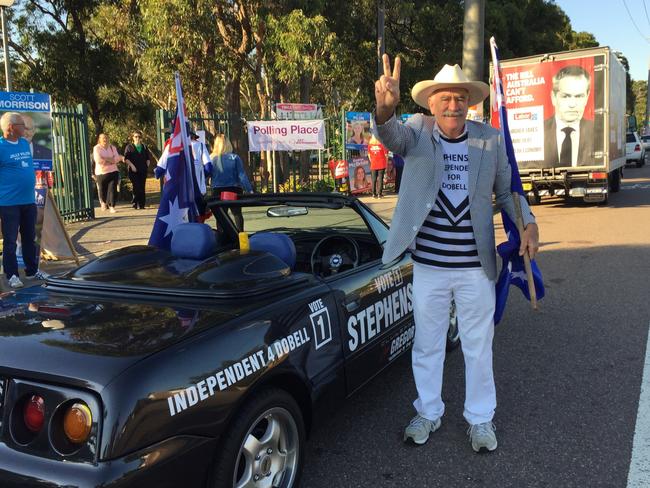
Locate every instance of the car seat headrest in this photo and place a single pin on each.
(279, 245)
(193, 241)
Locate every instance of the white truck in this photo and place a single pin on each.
(566, 114)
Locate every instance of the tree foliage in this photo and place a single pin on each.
(640, 91)
(119, 56)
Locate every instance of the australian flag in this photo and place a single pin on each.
(513, 271)
(177, 203)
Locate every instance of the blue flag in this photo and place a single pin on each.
(512, 271)
(177, 203)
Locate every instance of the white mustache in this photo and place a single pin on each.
(452, 113)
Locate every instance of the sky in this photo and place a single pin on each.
(611, 25)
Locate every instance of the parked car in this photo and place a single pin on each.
(646, 142)
(205, 365)
(634, 149)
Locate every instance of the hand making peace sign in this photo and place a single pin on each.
(387, 90)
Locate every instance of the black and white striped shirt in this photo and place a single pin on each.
(446, 238)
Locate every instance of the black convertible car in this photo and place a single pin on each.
(206, 365)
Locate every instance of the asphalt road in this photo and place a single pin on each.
(568, 376)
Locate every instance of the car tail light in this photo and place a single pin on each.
(598, 175)
(34, 413)
(77, 422)
(637, 148)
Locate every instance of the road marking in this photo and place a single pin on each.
(636, 186)
(639, 474)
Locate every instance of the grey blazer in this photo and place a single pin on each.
(489, 172)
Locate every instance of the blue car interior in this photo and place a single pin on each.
(280, 245)
(193, 241)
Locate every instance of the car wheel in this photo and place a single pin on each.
(640, 162)
(264, 446)
(453, 336)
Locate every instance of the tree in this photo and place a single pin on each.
(61, 56)
(640, 90)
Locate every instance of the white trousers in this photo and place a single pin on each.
(474, 294)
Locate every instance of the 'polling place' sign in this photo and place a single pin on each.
(286, 135)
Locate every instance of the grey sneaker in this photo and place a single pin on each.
(419, 428)
(39, 275)
(483, 436)
(15, 282)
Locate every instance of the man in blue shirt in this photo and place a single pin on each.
(17, 200)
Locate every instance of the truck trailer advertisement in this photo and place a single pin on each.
(549, 103)
(566, 113)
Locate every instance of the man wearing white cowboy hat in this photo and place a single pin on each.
(444, 215)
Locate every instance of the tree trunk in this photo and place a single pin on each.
(94, 113)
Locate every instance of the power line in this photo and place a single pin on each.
(646, 12)
(634, 23)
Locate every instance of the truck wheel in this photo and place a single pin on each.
(264, 445)
(615, 180)
(453, 336)
(533, 199)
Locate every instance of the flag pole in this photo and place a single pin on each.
(519, 221)
(529, 272)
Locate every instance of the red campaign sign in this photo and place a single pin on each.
(531, 86)
(338, 168)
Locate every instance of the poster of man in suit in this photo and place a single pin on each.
(552, 111)
(35, 108)
(568, 136)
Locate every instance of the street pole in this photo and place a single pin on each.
(5, 47)
(473, 42)
(646, 128)
(381, 46)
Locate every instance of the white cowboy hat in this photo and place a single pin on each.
(449, 77)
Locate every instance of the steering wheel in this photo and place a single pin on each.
(333, 254)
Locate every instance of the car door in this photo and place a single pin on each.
(375, 309)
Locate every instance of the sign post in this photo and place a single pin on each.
(5, 43)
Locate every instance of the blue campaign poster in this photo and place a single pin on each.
(35, 109)
(357, 130)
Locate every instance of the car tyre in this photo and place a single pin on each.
(640, 162)
(453, 336)
(533, 199)
(264, 445)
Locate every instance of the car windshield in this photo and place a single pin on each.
(630, 138)
(318, 230)
(645, 138)
(256, 220)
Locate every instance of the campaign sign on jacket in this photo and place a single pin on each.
(35, 109)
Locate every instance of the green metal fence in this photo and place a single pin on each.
(287, 164)
(212, 123)
(71, 164)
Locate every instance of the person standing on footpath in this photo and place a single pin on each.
(107, 175)
(444, 214)
(228, 175)
(139, 157)
(202, 169)
(378, 156)
(398, 163)
(17, 200)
